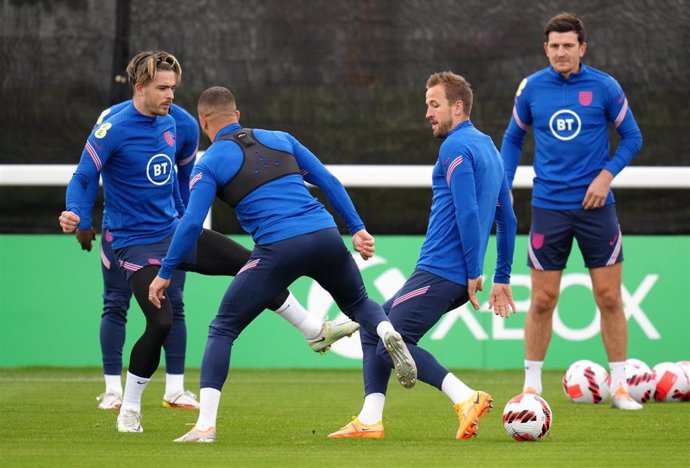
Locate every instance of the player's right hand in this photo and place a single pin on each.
(157, 291)
(364, 243)
(85, 238)
(68, 221)
(473, 286)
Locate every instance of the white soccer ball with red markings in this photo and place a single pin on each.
(581, 362)
(527, 417)
(672, 383)
(586, 382)
(637, 363)
(685, 365)
(641, 380)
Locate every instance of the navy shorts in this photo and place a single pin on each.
(421, 302)
(551, 236)
(115, 279)
(135, 257)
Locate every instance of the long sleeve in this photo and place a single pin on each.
(461, 180)
(506, 227)
(619, 113)
(316, 173)
(202, 194)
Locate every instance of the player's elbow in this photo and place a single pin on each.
(632, 139)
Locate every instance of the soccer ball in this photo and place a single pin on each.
(586, 382)
(672, 383)
(685, 365)
(638, 363)
(527, 417)
(581, 362)
(641, 380)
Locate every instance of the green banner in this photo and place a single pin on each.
(51, 302)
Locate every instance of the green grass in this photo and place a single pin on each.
(281, 418)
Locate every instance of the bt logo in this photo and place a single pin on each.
(565, 124)
(159, 168)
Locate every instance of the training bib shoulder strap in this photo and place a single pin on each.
(260, 165)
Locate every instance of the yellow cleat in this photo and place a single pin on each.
(357, 429)
(184, 399)
(331, 332)
(469, 412)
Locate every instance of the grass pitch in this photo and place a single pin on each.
(281, 418)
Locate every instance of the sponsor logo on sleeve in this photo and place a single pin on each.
(103, 115)
(102, 131)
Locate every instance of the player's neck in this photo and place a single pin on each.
(139, 106)
(572, 72)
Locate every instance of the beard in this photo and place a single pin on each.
(442, 128)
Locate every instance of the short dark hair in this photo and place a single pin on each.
(565, 22)
(457, 88)
(216, 101)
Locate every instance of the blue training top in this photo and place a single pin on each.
(134, 154)
(186, 146)
(571, 123)
(469, 190)
(280, 209)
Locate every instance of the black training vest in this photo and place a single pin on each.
(260, 164)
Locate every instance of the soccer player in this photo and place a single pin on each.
(116, 290)
(570, 106)
(134, 153)
(261, 174)
(469, 191)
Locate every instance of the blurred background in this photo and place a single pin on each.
(346, 78)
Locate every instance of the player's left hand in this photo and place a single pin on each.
(597, 191)
(364, 243)
(474, 285)
(501, 300)
(157, 289)
(86, 238)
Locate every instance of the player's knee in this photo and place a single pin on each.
(160, 324)
(115, 311)
(543, 301)
(609, 300)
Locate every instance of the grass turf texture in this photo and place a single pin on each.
(281, 418)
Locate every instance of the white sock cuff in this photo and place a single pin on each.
(209, 399)
(174, 383)
(617, 373)
(113, 383)
(300, 318)
(384, 327)
(372, 409)
(455, 388)
(134, 388)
